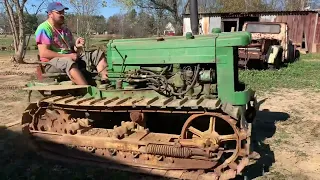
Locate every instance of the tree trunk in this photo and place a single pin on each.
(177, 18)
(9, 10)
(18, 34)
(22, 40)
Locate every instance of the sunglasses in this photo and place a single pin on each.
(59, 12)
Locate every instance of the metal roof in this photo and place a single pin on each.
(257, 13)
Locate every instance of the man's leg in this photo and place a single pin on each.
(102, 67)
(66, 65)
(76, 76)
(97, 59)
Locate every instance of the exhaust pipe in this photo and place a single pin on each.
(194, 17)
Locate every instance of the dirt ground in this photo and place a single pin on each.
(287, 128)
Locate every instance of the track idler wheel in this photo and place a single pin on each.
(218, 135)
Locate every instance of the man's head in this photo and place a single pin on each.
(55, 12)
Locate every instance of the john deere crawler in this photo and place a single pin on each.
(172, 107)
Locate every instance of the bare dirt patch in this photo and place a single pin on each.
(288, 125)
(13, 78)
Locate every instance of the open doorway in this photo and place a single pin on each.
(229, 24)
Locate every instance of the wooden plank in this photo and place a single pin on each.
(311, 29)
(309, 36)
(317, 33)
(278, 19)
(284, 19)
(290, 26)
(300, 28)
(293, 29)
(314, 45)
(306, 31)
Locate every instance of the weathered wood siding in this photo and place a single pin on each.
(302, 27)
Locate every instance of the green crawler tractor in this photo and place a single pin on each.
(172, 107)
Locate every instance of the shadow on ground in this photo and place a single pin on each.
(17, 161)
(263, 129)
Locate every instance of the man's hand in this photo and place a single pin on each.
(73, 56)
(79, 42)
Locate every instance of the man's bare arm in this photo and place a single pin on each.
(45, 52)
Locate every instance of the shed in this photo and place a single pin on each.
(304, 26)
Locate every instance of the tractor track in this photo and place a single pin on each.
(163, 159)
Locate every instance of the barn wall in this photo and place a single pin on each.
(317, 36)
(299, 26)
(215, 22)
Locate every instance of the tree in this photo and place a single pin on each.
(85, 11)
(132, 24)
(241, 5)
(99, 24)
(113, 24)
(31, 23)
(16, 17)
(18, 30)
(175, 8)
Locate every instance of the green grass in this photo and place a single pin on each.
(298, 75)
(8, 40)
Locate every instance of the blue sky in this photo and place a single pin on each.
(106, 11)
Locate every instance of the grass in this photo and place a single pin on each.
(298, 75)
(8, 40)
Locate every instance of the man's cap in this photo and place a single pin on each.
(56, 6)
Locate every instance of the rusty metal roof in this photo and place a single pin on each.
(257, 13)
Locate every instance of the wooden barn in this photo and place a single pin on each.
(304, 26)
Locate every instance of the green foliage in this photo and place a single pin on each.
(31, 23)
(103, 3)
(172, 9)
(132, 24)
(126, 4)
(301, 74)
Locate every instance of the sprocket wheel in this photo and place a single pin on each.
(58, 121)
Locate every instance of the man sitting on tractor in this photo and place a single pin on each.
(64, 55)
